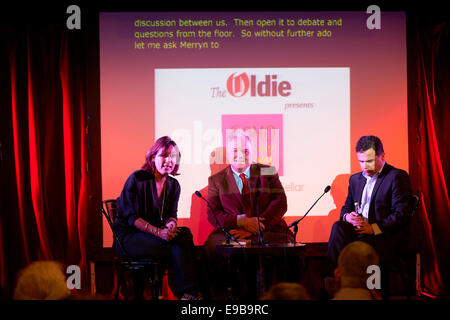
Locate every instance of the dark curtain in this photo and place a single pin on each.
(44, 147)
(430, 119)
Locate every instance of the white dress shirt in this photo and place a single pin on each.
(367, 196)
(240, 185)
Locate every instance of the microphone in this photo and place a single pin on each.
(260, 238)
(225, 231)
(294, 224)
(198, 194)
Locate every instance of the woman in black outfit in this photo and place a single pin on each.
(147, 216)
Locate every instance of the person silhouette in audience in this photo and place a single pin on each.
(287, 291)
(352, 272)
(41, 280)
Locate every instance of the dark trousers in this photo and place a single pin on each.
(386, 245)
(179, 253)
(222, 273)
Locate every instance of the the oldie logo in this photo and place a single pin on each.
(239, 85)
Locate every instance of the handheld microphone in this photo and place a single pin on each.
(294, 224)
(225, 231)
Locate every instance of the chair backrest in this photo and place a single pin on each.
(110, 210)
(411, 245)
(415, 202)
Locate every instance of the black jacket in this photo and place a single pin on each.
(139, 199)
(390, 205)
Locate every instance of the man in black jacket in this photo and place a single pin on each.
(377, 209)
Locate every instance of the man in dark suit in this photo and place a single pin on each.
(377, 209)
(238, 192)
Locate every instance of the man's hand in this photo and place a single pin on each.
(240, 233)
(359, 223)
(353, 218)
(363, 227)
(251, 224)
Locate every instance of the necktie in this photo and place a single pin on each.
(246, 195)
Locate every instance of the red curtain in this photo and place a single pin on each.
(45, 216)
(432, 115)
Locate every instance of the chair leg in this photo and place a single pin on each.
(405, 281)
(385, 283)
(138, 284)
(418, 275)
(156, 282)
(92, 272)
(120, 279)
(151, 278)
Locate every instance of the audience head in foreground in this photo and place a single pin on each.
(41, 280)
(351, 272)
(287, 291)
